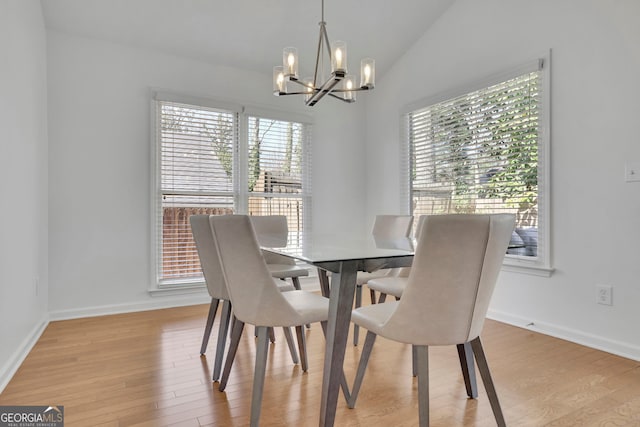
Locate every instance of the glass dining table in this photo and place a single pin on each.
(343, 256)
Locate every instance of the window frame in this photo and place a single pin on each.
(540, 265)
(240, 167)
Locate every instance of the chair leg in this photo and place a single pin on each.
(465, 353)
(302, 347)
(223, 330)
(483, 367)
(324, 282)
(259, 374)
(372, 295)
(356, 328)
(383, 298)
(292, 347)
(236, 333)
(369, 340)
(213, 307)
(422, 359)
(296, 285)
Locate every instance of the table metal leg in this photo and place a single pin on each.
(343, 286)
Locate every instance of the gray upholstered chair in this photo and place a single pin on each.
(394, 284)
(454, 271)
(273, 231)
(216, 286)
(385, 227)
(256, 299)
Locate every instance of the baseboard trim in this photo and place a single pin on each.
(618, 348)
(155, 304)
(15, 361)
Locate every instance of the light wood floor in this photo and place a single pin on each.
(144, 369)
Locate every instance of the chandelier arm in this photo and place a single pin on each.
(326, 88)
(326, 39)
(303, 84)
(292, 93)
(318, 53)
(300, 82)
(355, 89)
(349, 101)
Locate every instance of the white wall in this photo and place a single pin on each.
(339, 185)
(23, 181)
(99, 137)
(595, 215)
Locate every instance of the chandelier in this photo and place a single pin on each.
(340, 84)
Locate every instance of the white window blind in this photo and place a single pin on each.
(218, 161)
(197, 147)
(277, 165)
(479, 152)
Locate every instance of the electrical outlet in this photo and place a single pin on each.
(604, 295)
(632, 171)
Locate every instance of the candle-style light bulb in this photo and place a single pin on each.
(290, 62)
(349, 84)
(339, 57)
(367, 73)
(279, 83)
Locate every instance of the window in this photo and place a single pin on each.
(483, 151)
(275, 171)
(214, 159)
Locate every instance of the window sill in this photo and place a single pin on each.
(527, 267)
(178, 289)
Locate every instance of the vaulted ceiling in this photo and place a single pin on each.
(250, 34)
